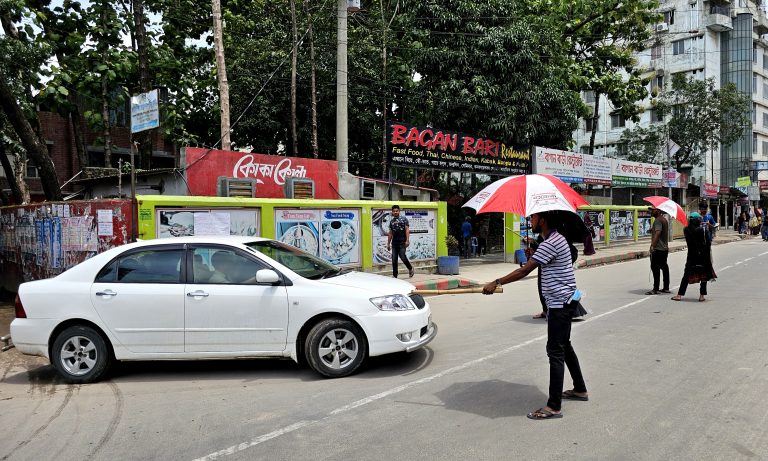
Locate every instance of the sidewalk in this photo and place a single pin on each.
(476, 271)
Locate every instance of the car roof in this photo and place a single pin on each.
(224, 239)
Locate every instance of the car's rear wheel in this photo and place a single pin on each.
(336, 347)
(80, 354)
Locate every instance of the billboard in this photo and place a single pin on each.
(423, 147)
(144, 112)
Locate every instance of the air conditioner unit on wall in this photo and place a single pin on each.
(662, 27)
(299, 188)
(236, 187)
(367, 189)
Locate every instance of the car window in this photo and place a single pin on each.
(215, 265)
(148, 266)
(299, 261)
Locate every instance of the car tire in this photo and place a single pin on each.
(80, 354)
(335, 348)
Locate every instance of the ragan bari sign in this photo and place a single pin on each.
(203, 167)
(421, 147)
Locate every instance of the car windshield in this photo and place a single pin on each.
(304, 264)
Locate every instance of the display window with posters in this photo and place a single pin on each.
(423, 238)
(643, 224)
(180, 222)
(622, 225)
(595, 222)
(332, 234)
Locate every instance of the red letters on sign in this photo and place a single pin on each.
(397, 134)
(469, 142)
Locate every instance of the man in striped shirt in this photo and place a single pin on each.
(558, 284)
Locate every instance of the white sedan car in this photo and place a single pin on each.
(215, 298)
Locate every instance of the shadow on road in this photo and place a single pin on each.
(493, 398)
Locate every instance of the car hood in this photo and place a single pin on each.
(372, 283)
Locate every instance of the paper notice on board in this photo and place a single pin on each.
(212, 223)
(104, 220)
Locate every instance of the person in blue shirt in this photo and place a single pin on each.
(707, 221)
(466, 234)
(764, 228)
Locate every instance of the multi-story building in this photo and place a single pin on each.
(726, 40)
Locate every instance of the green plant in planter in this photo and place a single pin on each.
(453, 245)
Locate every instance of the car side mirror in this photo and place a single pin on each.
(267, 276)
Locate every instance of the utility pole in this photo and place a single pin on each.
(221, 72)
(342, 139)
(145, 140)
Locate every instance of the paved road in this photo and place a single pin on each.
(668, 381)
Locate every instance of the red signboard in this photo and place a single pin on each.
(725, 190)
(763, 184)
(204, 167)
(709, 190)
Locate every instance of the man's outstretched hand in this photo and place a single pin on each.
(489, 288)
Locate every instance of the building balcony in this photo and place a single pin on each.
(760, 22)
(719, 20)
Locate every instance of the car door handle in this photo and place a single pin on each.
(106, 293)
(195, 294)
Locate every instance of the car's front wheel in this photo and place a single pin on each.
(336, 347)
(80, 354)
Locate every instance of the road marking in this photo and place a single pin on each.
(724, 268)
(373, 398)
(749, 259)
(763, 254)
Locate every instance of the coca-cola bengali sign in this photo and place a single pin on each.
(572, 167)
(709, 190)
(421, 147)
(636, 174)
(204, 167)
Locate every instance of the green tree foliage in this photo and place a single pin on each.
(698, 117)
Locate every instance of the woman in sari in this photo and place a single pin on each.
(698, 264)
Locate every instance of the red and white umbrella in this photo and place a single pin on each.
(668, 206)
(526, 195)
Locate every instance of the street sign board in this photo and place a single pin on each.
(709, 190)
(743, 181)
(144, 112)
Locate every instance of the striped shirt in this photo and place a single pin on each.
(557, 280)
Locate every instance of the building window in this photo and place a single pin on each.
(754, 83)
(589, 124)
(678, 47)
(765, 148)
(765, 119)
(32, 170)
(765, 60)
(589, 96)
(754, 113)
(655, 118)
(656, 52)
(669, 17)
(754, 53)
(754, 142)
(584, 150)
(657, 84)
(617, 121)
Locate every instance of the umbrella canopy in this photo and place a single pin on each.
(570, 225)
(668, 206)
(526, 195)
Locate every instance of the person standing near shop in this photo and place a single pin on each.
(659, 251)
(558, 285)
(466, 234)
(707, 221)
(398, 239)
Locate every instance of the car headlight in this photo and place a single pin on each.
(393, 303)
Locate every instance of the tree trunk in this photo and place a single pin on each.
(34, 146)
(16, 193)
(221, 72)
(315, 148)
(144, 138)
(595, 120)
(384, 111)
(294, 63)
(107, 130)
(77, 123)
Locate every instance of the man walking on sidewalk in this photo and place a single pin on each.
(659, 251)
(558, 285)
(398, 239)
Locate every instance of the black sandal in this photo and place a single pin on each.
(543, 413)
(652, 292)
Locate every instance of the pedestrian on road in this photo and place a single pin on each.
(698, 263)
(466, 234)
(707, 221)
(743, 223)
(398, 239)
(659, 251)
(558, 285)
(764, 227)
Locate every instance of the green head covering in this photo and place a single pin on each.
(694, 215)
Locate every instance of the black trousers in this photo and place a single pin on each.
(398, 250)
(541, 295)
(561, 354)
(659, 263)
(684, 286)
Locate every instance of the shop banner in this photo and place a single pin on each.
(709, 190)
(622, 225)
(566, 166)
(753, 192)
(744, 181)
(203, 168)
(672, 178)
(725, 190)
(763, 184)
(422, 147)
(597, 170)
(636, 174)
(341, 236)
(423, 228)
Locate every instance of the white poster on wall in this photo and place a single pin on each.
(184, 221)
(423, 238)
(340, 236)
(299, 228)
